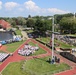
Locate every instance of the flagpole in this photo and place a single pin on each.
(53, 38)
(74, 15)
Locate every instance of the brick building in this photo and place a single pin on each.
(5, 25)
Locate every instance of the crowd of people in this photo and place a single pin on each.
(27, 50)
(66, 39)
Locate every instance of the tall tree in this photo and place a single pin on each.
(29, 16)
(21, 21)
(68, 25)
(43, 25)
(58, 17)
(30, 23)
(12, 22)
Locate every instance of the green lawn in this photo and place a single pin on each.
(18, 32)
(64, 45)
(34, 67)
(44, 39)
(2, 51)
(13, 46)
(61, 44)
(29, 31)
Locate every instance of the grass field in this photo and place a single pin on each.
(64, 45)
(13, 46)
(44, 39)
(2, 51)
(38, 66)
(18, 32)
(61, 44)
(29, 31)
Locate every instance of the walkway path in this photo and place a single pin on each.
(16, 57)
(70, 63)
(24, 34)
(69, 72)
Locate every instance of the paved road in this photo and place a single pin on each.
(24, 34)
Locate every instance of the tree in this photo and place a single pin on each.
(21, 21)
(29, 16)
(38, 25)
(43, 25)
(12, 22)
(68, 25)
(58, 17)
(30, 23)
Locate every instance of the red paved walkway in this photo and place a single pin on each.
(70, 63)
(69, 72)
(17, 57)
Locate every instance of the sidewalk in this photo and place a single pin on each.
(24, 34)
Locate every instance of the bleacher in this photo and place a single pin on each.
(3, 56)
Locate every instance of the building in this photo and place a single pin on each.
(5, 25)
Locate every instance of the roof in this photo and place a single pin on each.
(5, 24)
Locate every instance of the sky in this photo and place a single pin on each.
(16, 8)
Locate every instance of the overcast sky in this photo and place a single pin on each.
(15, 8)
